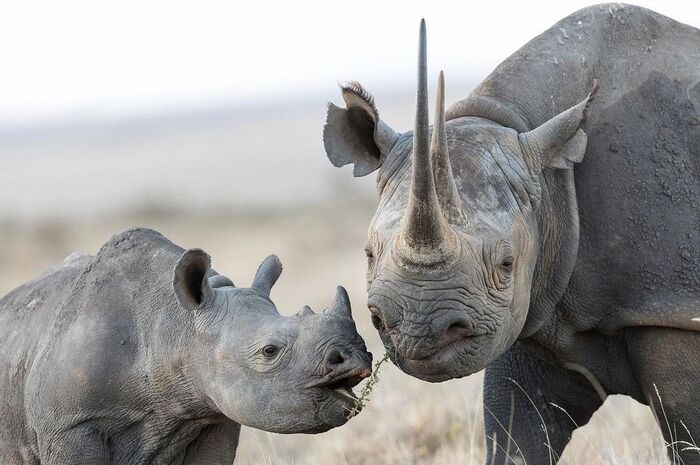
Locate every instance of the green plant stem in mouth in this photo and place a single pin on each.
(363, 398)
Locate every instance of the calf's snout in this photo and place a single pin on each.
(341, 360)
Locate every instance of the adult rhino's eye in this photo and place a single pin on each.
(370, 255)
(269, 351)
(507, 263)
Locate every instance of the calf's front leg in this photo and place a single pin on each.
(77, 446)
(215, 444)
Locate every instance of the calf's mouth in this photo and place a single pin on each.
(341, 384)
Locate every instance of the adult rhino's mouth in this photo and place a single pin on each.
(454, 360)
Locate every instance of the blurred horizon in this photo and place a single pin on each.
(111, 108)
(118, 59)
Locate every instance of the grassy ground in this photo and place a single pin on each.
(408, 421)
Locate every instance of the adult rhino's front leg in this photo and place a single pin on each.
(523, 402)
(667, 365)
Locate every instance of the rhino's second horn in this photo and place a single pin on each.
(442, 168)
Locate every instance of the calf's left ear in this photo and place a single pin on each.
(267, 275)
(190, 280)
(559, 142)
(355, 134)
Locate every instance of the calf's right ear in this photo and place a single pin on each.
(190, 280)
(355, 134)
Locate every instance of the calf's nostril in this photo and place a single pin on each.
(334, 357)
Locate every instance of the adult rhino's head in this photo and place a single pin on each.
(261, 369)
(455, 240)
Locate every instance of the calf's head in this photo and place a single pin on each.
(454, 242)
(261, 369)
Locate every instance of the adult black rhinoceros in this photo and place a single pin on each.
(489, 249)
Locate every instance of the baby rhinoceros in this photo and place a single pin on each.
(118, 359)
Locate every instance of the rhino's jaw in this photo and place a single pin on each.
(336, 392)
(454, 360)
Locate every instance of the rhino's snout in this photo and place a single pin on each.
(343, 360)
(447, 327)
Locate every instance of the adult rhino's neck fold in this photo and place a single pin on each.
(394, 165)
(490, 108)
(558, 225)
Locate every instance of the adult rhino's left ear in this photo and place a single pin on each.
(355, 134)
(190, 280)
(559, 142)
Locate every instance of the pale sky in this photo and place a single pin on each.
(93, 59)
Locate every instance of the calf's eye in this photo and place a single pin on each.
(270, 351)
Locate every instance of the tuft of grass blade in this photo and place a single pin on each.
(363, 398)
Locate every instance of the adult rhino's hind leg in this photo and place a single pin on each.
(523, 402)
(667, 367)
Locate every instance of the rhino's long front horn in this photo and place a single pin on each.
(426, 237)
(442, 169)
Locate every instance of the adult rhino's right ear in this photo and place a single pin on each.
(355, 134)
(559, 142)
(190, 280)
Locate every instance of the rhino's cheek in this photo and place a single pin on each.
(308, 412)
(332, 414)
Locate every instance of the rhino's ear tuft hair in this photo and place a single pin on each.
(356, 96)
(355, 134)
(190, 280)
(267, 275)
(559, 142)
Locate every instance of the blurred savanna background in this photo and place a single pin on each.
(203, 121)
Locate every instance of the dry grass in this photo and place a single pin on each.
(408, 421)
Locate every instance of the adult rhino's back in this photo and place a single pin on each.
(26, 315)
(638, 184)
(623, 47)
(638, 189)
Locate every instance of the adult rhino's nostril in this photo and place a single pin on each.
(334, 357)
(377, 321)
(460, 328)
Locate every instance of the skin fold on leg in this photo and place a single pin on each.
(531, 408)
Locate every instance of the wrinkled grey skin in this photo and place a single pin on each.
(118, 359)
(566, 282)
